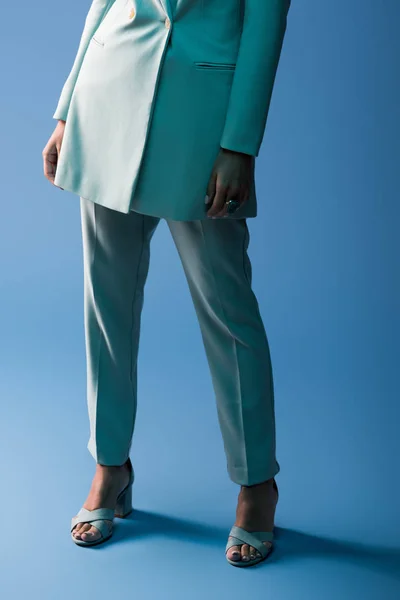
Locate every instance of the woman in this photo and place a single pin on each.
(162, 116)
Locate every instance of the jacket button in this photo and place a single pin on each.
(167, 23)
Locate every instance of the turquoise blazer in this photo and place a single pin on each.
(156, 88)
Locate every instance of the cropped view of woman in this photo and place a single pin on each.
(162, 116)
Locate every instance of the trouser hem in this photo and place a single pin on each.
(243, 476)
(110, 460)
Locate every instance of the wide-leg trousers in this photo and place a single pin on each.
(213, 252)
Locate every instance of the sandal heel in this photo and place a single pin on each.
(124, 503)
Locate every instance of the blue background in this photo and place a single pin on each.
(325, 255)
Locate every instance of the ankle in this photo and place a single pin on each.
(111, 469)
(259, 487)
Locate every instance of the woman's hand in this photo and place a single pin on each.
(51, 151)
(231, 179)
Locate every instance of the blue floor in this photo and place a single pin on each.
(336, 526)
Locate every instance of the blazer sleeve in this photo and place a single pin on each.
(97, 11)
(264, 26)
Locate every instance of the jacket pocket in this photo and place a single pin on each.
(98, 42)
(110, 20)
(215, 66)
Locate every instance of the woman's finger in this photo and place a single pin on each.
(50, 162)
(219, 199)
(234, 193)
(211, 190)
(50, 158)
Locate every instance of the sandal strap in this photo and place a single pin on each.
(240, 536)
(131, 478)
(96, 517)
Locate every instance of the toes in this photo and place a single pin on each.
(77, 528)
(252, 552)
(267, 544)
(234, 553)
(245, 552)
(91, 534)
(80, 528)
(88, 532)
(84, 532)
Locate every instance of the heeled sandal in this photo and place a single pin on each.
(241, 536)
(99, 516)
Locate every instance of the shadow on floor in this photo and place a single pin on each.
(290, 544)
